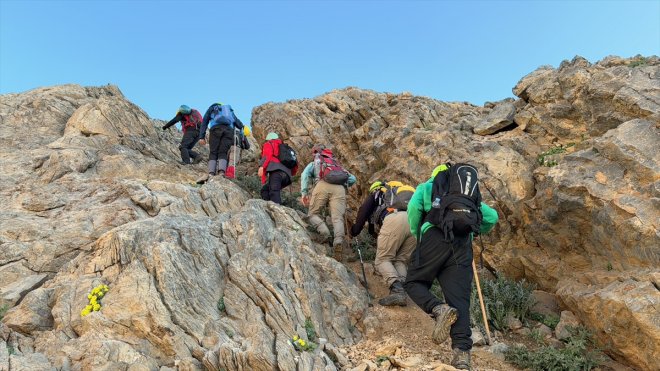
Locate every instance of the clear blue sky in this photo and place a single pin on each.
(165, 53)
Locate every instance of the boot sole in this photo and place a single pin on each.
(443, 326)
(400, 302)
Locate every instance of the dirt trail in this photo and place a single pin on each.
(410, 327)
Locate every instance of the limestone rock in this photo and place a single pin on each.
(12, 293)
(499, 118)
(410, 362)
(566, 322)
(612, 309)
(30, 362)
(33, 313)
(97, 197)
(545, 303)
(478, 339)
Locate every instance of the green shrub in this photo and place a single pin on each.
(550, 320)
(502, 298)
(221, 304)
(3, 310)
(250, 183)
(541, 158)
(292, 200)
(437, 291)
(367, 245)
(579, 353)
(309, 329)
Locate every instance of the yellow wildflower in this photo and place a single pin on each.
(295, 338)
(97, 307)
(302, 342)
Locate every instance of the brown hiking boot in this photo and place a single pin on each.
(397, 296)
(445, 316)
(461, 359)
(338, 252)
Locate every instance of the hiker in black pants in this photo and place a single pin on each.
(274, 175)
(450, 262)
(221, 121)
(190, 120)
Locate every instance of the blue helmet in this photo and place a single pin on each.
(184, 109)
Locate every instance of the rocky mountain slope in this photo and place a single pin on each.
(197, 276)
(572, 166)
(207, 278)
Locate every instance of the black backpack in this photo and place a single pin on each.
(456, 201)
(287, 156)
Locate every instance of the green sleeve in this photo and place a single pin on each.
(490, 218)
(305, 178)
(416, 209)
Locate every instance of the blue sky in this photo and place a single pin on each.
(165, 53)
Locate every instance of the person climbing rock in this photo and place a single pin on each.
(274, 174)
(330, 184)
(385, 211)
(190, 120)
(444, 214)
(221, 121)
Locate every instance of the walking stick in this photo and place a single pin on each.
(481, 302)
(357, 247)
(364, 275)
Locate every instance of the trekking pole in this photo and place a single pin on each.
(481, 302)
(364, 275)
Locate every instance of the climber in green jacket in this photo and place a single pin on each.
(450, 262)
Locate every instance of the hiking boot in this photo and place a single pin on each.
(197, 160)
(461, 359)
(203, 179)
(337, 255)
(445, 316)
(397, 296)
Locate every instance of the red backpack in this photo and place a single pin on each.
(191, 121)
(329, 169)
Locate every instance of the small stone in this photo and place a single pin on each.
(409, 362)
(498, 348)
(566, 321)
(513, 323)
(478, 338)
(388, 349)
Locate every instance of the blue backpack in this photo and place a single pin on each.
(222, 115)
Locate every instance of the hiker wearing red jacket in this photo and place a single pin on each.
(276, 176)
(190, 120)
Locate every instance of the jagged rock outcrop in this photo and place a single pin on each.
(575, 177)
(199, 277)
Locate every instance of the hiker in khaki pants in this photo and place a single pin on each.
(326, 193)
(384, 209)
(395, 246)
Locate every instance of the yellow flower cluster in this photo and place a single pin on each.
(94, 305)
(301, 344)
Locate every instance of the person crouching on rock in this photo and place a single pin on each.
(190, 120)
(330, 183)
(385, 210)
(445, 254)
(220, 120)
(274, 175)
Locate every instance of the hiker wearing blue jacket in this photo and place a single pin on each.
(450, 262)
(221, 121)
